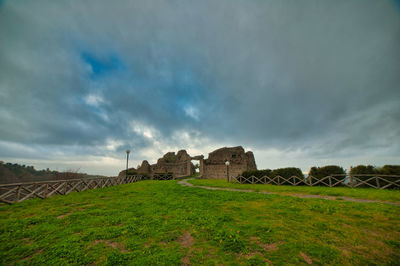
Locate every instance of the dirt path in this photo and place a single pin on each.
(310, 196)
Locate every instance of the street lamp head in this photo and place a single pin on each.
(128, 151)
(227, 163)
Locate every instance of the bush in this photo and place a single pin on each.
(321, 172)
(283, 172)
(257, 173)
(363, 169)
(328, 170)
(368, 171)
(389, 170)
(287, 172)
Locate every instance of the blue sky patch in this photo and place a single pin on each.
(102, 66)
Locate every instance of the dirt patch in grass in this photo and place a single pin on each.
(108, 243)
(27, 241)
(345, 251)
(33, 255)
(186, 241)
(255, 254)
(266, 247)
(305, 257)
(105, 197)
(64, 215)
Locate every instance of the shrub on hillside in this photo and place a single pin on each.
(367, 172)
(324, 171)
(321, 172)
(369, 169)
(283, 172)
(257, 173)
(287, 172)
(389, 170)
(363, 169)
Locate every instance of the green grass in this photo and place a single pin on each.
(161, 222)
(360, 193)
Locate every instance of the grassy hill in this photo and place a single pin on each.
(391, 195)
(161, 222)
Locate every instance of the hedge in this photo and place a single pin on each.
(365, 170)
(283, 172)
(321, 172)
(257, 173)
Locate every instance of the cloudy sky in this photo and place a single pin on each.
(300, 83)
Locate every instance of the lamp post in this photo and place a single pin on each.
(127, 158)
(227, 171)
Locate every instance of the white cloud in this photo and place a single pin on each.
(192, 112)
(94, 99)
(145, 130)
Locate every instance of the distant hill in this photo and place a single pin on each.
(16, 173)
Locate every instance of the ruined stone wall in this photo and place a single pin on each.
(219, 171)
(178, 168)
(179, 164)
(214, 167)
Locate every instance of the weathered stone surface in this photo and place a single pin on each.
(239, 161)
(198, 157)
(251, 162)
(214, 167)
(144, 168)
(179, 164)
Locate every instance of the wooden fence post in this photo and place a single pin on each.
(351, 181)
(279, 180)
(18, 193)
(310, 177)
(377, 182)
(252, 179)
(330, 181)
(46, 189)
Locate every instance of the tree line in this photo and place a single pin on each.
(321, 172)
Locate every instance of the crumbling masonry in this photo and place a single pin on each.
(214, 167)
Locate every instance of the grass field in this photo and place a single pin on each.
(360, 193)
(161, 222)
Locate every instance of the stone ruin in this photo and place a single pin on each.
(239, 161)
(213, 168)
(179, 164)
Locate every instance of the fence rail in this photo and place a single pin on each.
(163, 176)
(353, 181)
(12, 193)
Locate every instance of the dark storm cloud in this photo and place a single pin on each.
(84, 78)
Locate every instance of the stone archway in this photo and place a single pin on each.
(199, 158)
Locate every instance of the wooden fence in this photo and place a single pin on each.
(163, 176)
(374, 181)
(12, 193)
